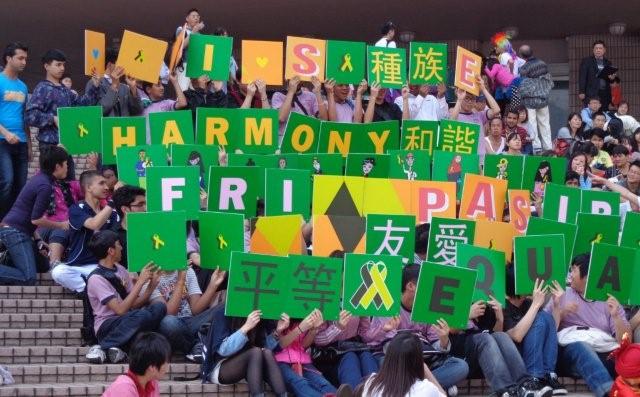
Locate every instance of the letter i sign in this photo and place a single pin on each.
(210, 56)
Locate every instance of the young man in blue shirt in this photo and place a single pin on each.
(14, 138)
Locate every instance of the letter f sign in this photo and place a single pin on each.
(169, 193)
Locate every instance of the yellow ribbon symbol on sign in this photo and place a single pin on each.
(346, 63)
(222, 244)
(139, 57)
(373, 289)
(598, 238)
(157, 242)
(82, 130)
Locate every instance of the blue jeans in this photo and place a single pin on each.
(355, 366)
(23, 258)
(182, 332)
(310, 384)
(540, 346)
(14, 163)
(118, 331)
(498, 357)
(451, 372)
(581, 360)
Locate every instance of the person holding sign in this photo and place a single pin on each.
(158, 101)
(239, 349)
(403, 372)
(572, 314)
(299, 101)
(116, 99)
(119, 305)
(380, 110)
(423, 105)
(534, 331)
(449, 370)
(339, 106)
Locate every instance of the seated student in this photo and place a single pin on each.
(295, 337)
(353, 366)
(599, 120)
(187, 311)
(620, 159)
(378, 109)
(26, 251)
(148, 363)
(239, 348)
(403, 372)
(126, 199)
(534, 331)
(85, 218)
(570, 308)
(451, 370)
(601, 164)
(159, 103)
(592, 107)
(119, 308)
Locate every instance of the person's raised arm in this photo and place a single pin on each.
(405, 103)
(181, 100)
(317, 91)
(518, 332)
(308, 339)
(285, 109)
(357, 111)
(371, 105)
(329, 86)
(96, 222)
(455, 111)
(494, 108)
(200, 303)
(122, 307)
(619, 321)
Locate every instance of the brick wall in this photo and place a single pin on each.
(624, 53)
(80, 161)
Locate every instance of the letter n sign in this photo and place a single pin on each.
(443, 292)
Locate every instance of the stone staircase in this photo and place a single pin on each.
(40, 343)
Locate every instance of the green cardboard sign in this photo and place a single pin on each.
(561, 203)
(220, 235)
(80, 129)
(631, 231)
(372, 285)
(387, 66)
(491, 271)
(322, 163)
(287, 192)
(540, 171)
(345, 138)
(444, 235)
(391, 235)
(209, 56)
(595, 229)
(452, 167)
(171, 128)
(218, 127)
(149, 240)
(174, 189)
(459, 137)
(538, 257)
(427, 63)
(412, 165)
(539, 226)
(345, 61)
(257, 282)
(235, 189)
(444, 292)
(610, 272)
(133, 162)
(199, 156)
(600, 202)
(315, 283)
(301, 134)
(506, 167)
(419, 135)
(367, 165)
(121, 131)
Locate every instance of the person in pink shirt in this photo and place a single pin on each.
(294, 360)
(148, 363)
(300, 101)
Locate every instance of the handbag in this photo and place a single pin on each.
(597, 339)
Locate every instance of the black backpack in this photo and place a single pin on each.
(87, 331)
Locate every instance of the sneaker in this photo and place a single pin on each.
(534, 387)
(344, 391)
(452, 391)
(96, 355)
(197, 354)
(558, 388)
(116, 355)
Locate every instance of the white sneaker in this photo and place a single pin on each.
(452, 391)
(116, 355)
(96, 355)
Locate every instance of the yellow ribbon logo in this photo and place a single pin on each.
(598, 238)
(82, 130)
(222, 244)
(139, 57)
(346, 64)
(157, 242)
(373, 288)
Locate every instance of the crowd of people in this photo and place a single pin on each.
(76, 229)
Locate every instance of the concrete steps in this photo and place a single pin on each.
(41, 320)
(41, 306)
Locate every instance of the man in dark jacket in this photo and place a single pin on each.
(535, 86)
(589, 84)
(117, 99)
